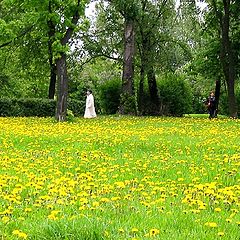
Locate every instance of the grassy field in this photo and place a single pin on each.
(120, 178)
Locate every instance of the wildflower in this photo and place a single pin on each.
(27, 210)
(5, 219)
(154, 232)
(217, 210)
(121, 230)
(211, 224)
(220, 234)
(20, 234)
(134, 230)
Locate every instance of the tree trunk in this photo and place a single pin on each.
(152, 85)
(62, 92)
(53, 80)
(127, 104)
(217, 94)
(141, 89)
(53, 68)
(227, 59)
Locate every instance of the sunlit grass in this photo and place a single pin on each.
(119, 178)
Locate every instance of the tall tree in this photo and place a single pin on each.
(129, 10)
(150, 18)
(225, 14)
(74, 11)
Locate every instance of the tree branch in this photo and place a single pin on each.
(70, 30)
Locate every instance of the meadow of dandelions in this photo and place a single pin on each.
(120, 178)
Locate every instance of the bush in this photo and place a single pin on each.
(110, 96)
(27, 107)
(31, 107)
(175, 95)
(77, 107)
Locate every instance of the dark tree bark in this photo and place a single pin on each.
(62, 89)
(217, 94)
(152, 85)
(141, 89)
(62, 78)
(228, 60)
(128, 57)
(52, 64)
(128, 69)
(226, 55)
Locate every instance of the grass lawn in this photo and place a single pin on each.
(120, 178)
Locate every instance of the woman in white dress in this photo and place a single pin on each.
(90, 109)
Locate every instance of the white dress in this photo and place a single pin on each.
(90, 109)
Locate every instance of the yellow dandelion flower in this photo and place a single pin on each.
(211, 224)
(154, 232)
(201, 207)
(27, 210)
(96, 204)
(121, 230)
(217, 209)
(52, 217)
(220, 234)
(22, 235)
(5, 219)
(134, 230)
(229, 220)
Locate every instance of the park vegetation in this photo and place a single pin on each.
(139, 57)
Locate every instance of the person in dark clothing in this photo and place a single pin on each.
(211, 104)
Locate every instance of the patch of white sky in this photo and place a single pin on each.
(91, 12)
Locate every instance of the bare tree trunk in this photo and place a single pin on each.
(62, 92)
(127, 104)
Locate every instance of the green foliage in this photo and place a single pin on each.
(110, 96)
(26, 107)
(223, 101)
(75, 107)
(128, 104)
(175, 95)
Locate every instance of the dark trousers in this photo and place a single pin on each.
(212, 112)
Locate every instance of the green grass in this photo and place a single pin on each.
(120, 178)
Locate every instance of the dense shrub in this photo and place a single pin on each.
(27, 107)
(110, 96)
(77, 107)
(175, 95)
(35, 107)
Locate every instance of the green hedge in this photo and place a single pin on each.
(30, 107)
(175, 95)
(110, 96)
